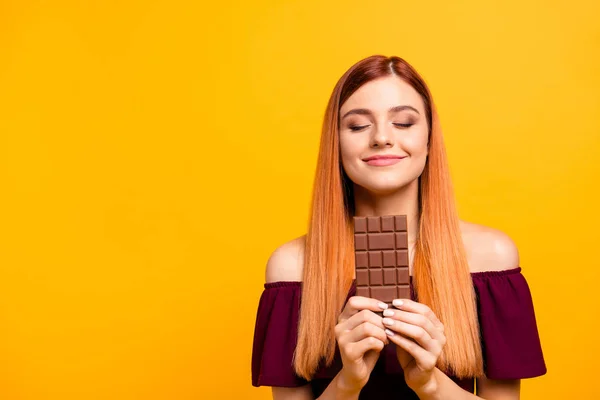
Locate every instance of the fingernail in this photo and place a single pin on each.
(388, 321)
(388, 313)
(383, 306)
(397, 303)
(389, 333)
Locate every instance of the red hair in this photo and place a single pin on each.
(441, 274)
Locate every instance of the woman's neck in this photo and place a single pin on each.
(404, 201)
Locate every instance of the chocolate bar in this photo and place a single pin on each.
(381, 255)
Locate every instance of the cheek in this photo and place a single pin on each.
(349, 154)
(416, 145)
(349, 149)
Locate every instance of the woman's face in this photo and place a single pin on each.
(384, 117)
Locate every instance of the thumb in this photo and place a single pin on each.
(404, 358)
(371, 358)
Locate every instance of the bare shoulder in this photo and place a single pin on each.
(488, 249)
(286, 262)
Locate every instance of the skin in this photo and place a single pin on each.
(386, 190)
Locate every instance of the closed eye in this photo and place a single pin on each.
(358, 128)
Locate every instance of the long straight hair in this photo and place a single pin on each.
(441, 278)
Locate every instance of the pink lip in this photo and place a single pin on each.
(383, 160)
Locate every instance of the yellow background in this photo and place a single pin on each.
(151, 148)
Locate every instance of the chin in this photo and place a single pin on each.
(383, 189)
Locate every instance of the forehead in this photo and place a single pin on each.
(380, 94)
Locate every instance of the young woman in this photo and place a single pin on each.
(470, 321)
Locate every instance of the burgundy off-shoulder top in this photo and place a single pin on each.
(509, 334)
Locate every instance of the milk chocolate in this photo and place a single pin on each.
(381, 255)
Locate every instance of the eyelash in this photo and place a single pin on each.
(356, 128)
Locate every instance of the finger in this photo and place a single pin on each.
(359, 303)
(419, 308)
(365, 330)
(414, 332)
(361, 317)
(357, 350)
(415, 319)
(424, 359)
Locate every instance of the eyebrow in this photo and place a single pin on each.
(364, 111)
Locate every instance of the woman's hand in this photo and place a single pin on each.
(419, 337)
(360, 335)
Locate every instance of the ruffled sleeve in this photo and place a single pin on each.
(276, 335)
(510, 339)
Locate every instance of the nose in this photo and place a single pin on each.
(381, 138)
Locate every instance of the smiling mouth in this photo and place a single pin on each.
(380, 162)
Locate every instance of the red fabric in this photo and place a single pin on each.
(510, 340)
